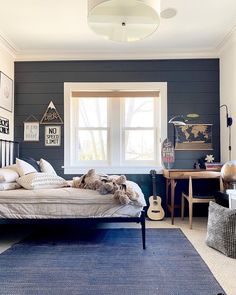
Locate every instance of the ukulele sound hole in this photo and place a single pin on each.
(155, 203)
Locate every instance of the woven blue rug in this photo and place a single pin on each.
(105, 261)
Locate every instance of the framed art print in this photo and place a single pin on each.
(193, 137)
(6, 92)
(31, 131)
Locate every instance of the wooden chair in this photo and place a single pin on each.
(194, 198)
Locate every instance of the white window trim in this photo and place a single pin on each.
(111, 86)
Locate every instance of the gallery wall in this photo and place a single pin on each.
(193, 87)
(7, 67)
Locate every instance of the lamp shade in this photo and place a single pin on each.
(124, 20)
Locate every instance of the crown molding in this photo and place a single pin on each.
(57, 56)
(8, 46)
(227, 41)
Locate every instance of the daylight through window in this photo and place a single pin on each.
(115, 129)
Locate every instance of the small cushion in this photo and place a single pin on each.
(8, 175)
(221, 229)
(46, 167)
(41, 181)
(32, 162)
(9, 186)
(24, 168)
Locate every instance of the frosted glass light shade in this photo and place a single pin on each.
(124, 20)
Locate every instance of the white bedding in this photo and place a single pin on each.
(65, 203)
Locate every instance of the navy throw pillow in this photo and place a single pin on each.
(32, 162)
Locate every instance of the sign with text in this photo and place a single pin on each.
(167, 154)
(4, 125)
(51, 116)
(52, 135)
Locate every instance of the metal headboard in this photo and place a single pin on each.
(9, 151)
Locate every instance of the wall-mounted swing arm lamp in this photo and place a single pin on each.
(177, 120)
(182, 120)
(229, 122)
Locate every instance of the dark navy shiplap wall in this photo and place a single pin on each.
(193, 87)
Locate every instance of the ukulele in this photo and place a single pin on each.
(155, 210)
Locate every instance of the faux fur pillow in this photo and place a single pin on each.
(41, 181)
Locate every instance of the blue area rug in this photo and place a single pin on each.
(105, 261)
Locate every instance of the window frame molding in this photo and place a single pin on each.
(70, 87)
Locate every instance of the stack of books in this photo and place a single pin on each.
(214, 166)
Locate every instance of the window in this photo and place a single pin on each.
(91, 128)
(114, 131)
(139, 128)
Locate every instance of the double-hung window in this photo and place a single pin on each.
(114, 130)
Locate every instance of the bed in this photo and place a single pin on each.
(64, 204)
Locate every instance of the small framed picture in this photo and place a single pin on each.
(31, 131)
(6, 92)
(53, 135)
(4, 125)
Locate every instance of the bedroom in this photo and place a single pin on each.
(192, 65)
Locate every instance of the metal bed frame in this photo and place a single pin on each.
(9, 151)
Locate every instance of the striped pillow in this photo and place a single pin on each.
(41, 181)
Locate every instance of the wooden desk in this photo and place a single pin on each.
(172, 175)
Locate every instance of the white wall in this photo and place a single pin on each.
(7, 67)
(228, 94)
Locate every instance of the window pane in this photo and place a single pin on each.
(92, 112)
(92, 145)
(139, 111)
(139, 145)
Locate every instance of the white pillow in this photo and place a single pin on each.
(46, 167)
(8, 175)
(9, 186)
(41, 181)
(24, 168)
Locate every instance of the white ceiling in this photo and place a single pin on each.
(40, 29)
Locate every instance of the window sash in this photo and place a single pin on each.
(116, 135)
(156, 110)
(114, 166)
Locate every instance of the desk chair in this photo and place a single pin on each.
(196, 198)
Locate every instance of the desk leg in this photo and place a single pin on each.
(172, 188)
(167, 194)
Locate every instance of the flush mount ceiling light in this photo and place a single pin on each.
(124, 20)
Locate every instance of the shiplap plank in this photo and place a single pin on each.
(174, 76)
(103, 66)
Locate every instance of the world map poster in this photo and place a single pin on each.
(193, 137)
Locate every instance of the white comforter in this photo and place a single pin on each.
(65, 203)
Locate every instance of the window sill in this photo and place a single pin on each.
(113, 170)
